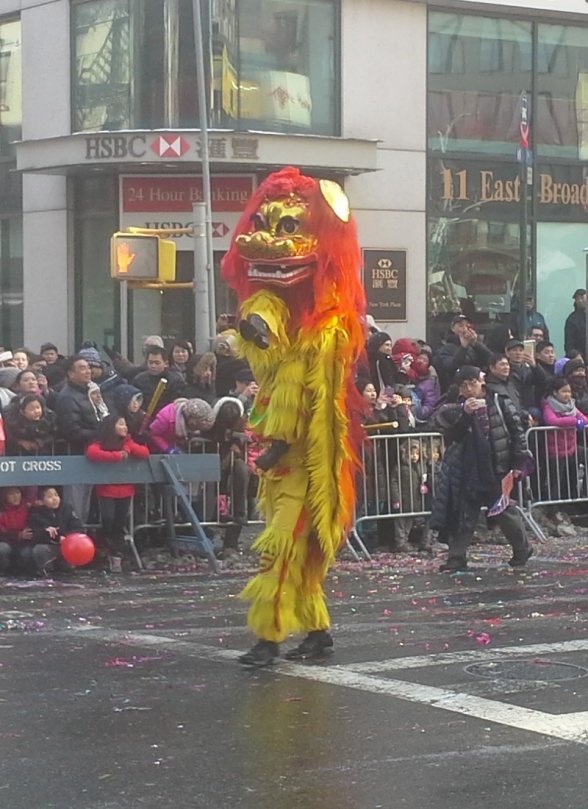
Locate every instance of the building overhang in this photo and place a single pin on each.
(154, 151)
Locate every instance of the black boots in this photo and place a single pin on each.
(262, 654)
(272, 455)
(315, 644)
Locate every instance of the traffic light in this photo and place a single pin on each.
(142, 257)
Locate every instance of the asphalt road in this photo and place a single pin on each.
(443, 692)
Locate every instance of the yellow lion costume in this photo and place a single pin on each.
(294, 262)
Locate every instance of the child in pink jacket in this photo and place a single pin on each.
(567, 461)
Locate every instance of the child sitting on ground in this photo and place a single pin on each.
(50, 522)
(15, 536)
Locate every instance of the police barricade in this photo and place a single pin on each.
(561, 457)
(220, 503)
(399, 479)
(71, 470)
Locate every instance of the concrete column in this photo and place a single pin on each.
(47, 259)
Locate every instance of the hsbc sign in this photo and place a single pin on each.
(166, 201)
(127, 147)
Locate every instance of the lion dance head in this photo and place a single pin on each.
(297, 238)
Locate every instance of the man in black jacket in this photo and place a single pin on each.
(463, 347)
(575, 328)
(77, 423)
(485, 441)
(158, 369)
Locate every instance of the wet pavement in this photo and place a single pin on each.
(444, 691)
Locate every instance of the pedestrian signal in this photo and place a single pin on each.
(142, 257)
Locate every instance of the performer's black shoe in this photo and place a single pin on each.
(262, 654)
(454, 564)
(255, 331)
(521, 558)
(272, 455)
(315, 644)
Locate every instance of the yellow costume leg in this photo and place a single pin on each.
(275, 591)
(311, 607)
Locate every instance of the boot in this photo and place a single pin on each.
(454, 564)
(272, 455)
(262, 654)
(316, 644)
(255, 331)
(230, 548)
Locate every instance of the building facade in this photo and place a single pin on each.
(459, 130)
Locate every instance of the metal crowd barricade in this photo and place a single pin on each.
(561, 457)
(386, 489)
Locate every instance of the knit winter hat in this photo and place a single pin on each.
(198, 410)
(573, 365)
(467, 372)
(406, 346)
(8, 377)
(377, 340)
(92, 356)
(153, 340)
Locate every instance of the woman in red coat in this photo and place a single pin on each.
(114, 445)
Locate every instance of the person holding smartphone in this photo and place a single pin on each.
(529, 378)
(484, 441)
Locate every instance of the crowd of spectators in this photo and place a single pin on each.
(94, 404)
(404, 382)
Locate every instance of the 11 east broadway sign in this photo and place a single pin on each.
(563, 189)
(157, 201)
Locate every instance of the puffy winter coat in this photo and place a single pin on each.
(96, 453)
(565, 442)
(77, 421)
(453, 355)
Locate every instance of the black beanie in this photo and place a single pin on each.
(376, 340)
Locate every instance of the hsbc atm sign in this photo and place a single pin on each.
(159, 201)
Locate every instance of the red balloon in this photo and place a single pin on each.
(77, 549)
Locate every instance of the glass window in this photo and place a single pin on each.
(96, 293)
(561, 269)
(561, 126)
(274, 64)
(473, 242)
(478, 68)
(278, 65)
(10, 86)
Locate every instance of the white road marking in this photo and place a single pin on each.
(569, 727)
(487, 653)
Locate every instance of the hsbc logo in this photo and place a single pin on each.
(170, 146)
(384, 263)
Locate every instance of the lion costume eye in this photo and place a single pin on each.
(289, 225)
(259, 221)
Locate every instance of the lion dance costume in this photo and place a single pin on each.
(294, 263)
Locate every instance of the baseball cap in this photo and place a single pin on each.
(514, 343)
(458, 318)
(578, 293)
(467, 372)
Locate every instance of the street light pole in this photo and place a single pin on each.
(203, 272)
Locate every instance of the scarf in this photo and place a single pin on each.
(562, 408)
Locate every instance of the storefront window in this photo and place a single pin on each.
(478, 68)
(562, 92)
(96, 294)
(473, 242)
(274, 65)
(10, 86)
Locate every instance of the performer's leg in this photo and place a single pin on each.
(311, 605)
(274, 590)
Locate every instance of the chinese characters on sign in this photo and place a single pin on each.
(384, 278)
(137, 147)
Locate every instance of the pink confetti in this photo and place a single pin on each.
(387, 613)
(483, 639)
(129, 663)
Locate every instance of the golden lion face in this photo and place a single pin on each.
(280, 249)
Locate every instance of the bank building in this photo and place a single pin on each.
(459, 130)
